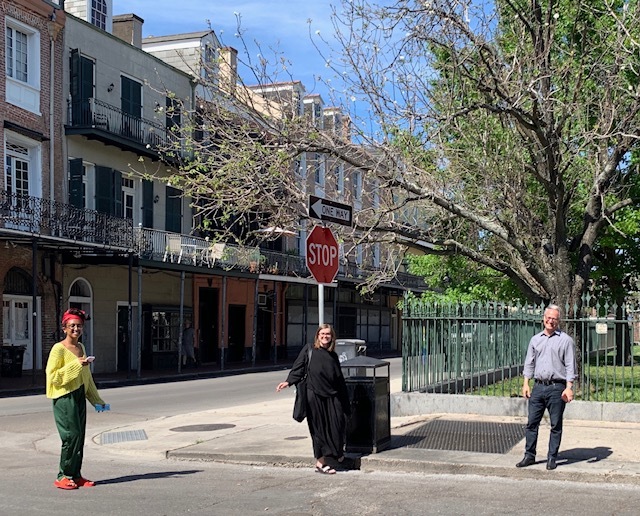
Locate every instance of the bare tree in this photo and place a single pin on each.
(499, 132)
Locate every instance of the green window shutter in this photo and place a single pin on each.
(131, 100)
(109, 191)
(116, 187)
(104, 195)
(173, 211)
(74, 69)
(86, 78)
(147, 203)
(76, 186)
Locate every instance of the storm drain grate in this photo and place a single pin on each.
(472, 436)
(123, 437)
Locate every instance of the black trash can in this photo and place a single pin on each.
(369, 428)
(346, 349)
(12, 357)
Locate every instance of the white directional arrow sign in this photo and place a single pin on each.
(330, 211)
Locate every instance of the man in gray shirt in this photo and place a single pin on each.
(550, 361)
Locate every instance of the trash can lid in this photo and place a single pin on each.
(363, 361)
(360, 342)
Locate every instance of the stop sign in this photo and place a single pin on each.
(322, 254)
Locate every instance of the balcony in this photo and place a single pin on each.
(97, 120)
(169, 247)
(23, 215)
(64, 226)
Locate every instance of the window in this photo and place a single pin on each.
(17, 178)
(17, 55)
(359, 255)
(209, 64)
(22, 166)
(376, 255)
(319, 168)
(128, 195)
(22, 65)
(339, 173)
(165, 328)
(357, 185)
(16, 315)
(317, 115)
(298, 108)
(337, 123)
(99, 14)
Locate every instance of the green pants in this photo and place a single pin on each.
(70, 413)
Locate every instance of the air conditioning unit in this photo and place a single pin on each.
(262, 299)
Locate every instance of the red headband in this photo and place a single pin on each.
(73, 314)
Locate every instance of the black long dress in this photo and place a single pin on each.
(327, 400)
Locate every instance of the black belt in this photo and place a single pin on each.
(550, 382)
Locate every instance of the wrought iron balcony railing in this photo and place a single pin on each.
(34, 216)
(41, 217)
(190, 250)
(98, 115)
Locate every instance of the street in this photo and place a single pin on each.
(156, 488)
(143, 484)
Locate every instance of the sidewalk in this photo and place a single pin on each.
(266, 434)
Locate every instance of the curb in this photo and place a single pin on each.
(370, 464)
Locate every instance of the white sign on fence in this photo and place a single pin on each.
(601, 328)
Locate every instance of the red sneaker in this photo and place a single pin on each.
(65, 483)
(83, 482)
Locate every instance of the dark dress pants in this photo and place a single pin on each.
(545, 397)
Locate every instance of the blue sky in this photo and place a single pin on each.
(280, 24)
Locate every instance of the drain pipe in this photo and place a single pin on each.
(52, 39)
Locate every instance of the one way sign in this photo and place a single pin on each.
(330, 211)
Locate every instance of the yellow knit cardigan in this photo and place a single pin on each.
(65, 374)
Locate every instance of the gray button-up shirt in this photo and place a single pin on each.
(550, 357)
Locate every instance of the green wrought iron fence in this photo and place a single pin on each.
(479, 348)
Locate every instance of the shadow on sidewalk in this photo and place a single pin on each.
(575, 455)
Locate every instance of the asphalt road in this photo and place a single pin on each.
(168, 399)
(141, 485)
(144, 487)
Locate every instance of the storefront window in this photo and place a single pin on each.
(165, 330)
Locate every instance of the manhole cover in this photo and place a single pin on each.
(202, 428)
(295, 438)
(122, 437)
(472, 436)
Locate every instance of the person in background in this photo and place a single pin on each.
(69, 383)
(327, 400)
(550, 361)
(188, 338)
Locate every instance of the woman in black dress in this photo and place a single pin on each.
(327, 400)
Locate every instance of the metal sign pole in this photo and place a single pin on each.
(320, 304)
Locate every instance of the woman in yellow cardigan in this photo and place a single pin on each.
(69, 382)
